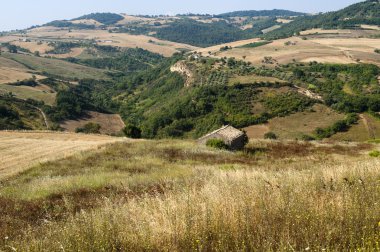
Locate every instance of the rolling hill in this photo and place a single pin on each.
(367, 12)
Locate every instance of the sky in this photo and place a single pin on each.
(20, 14)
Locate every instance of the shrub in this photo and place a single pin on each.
(270, 135)
(132, 131)
(89, 128)
(307, 138)
(375, 153)
(217, 144)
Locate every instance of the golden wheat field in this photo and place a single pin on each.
(21, 150)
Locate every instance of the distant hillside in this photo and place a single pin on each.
(104, 18)
(261, 13)
(367, 12)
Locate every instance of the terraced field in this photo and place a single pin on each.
(21, 150)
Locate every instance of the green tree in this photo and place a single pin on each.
(132, 131)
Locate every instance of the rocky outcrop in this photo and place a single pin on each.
(182, 68)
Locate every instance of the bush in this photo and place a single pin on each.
(307, 138)
(375, 153)
(132, 131)
(217, 144)
(89, 128)
(270, 135)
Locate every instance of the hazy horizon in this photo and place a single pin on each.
(21, 15)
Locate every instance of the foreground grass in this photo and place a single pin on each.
(176, 196)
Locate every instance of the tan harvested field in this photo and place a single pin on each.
(257, 131)
(133, 19)
(103, 37)
(298, 124)
(9, 38)
(87, 22)
(324, 50)
(21, 150)
(11, 75)
(322, 31)
(371, 27)
(42, 47)
(271, 28)
(284, 21)
(232, 44)
(8, 63)
(110, 123)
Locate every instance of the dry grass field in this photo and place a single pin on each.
(324, 50)
(284, 21)
(11, 75)
(371, 27)
(322, 31)
(216, 48)
(21, 150)
(34, 46)
(178, 196)
(368, 128)
(87, 22)
(110, 123)
(12, 71)
(134, 19)
(298, 124)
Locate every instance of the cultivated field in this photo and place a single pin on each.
(21, 150)
(177, 196)
(324, 50)
(34, 46)
(11, 75)
(87, 22)
(56, 67)
(110, 123)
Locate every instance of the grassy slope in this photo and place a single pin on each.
(44, 94)
(58, 68)
(174, 195)
(30, 117)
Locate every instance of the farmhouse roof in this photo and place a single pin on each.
(228, 132)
